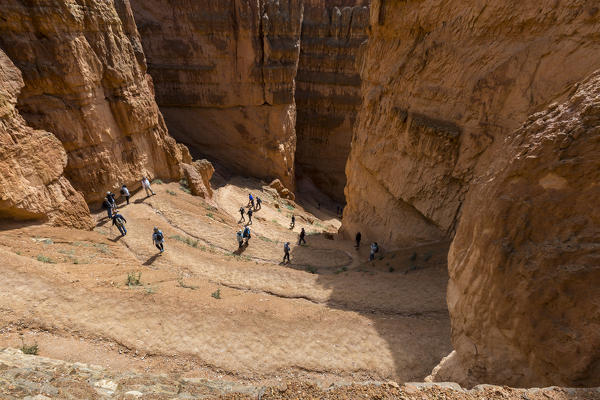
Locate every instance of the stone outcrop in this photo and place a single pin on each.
(32, 162)
(224, 74)
(198, 175)
(281, 190)
(442, 80)
(328, 90)
(86, 83)
(524, 285)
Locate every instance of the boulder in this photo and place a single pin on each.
(282, 191)
(198, 175)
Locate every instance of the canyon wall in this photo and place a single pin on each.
(224, 73)
(524, 291)
(328, 90)
(85, 81)
(443, 80)
(32, 162)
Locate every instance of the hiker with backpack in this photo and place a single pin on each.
(249, 216)
(358, 237)
(374, 249)
(109, 203)
(286, 252)
(293, 223)
(146, 186)
(258, 203)
(250, 200)
(301, 239)
(158, 239)
(120, 222)
(240, 239)
(246, 235)
(242, 211)
(125, 193)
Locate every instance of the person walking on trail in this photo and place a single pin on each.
(301, 239)
(250, 200)
(109, 204)
(158, 239)
(293, 223)
(240, 239)
(242, 211)
(250, 216)
(120, 222)
(246, 235)
(358, 237)
(258, 203)
(374, 249)
(125, 193)
(286, 252)
(146, 186)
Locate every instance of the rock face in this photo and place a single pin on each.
(32, 184)
(198, 177)
(441, 82)
(224, 73)
(85, 81)
(328, 90)
(524, 287)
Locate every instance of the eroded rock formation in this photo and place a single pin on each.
(442, 81)
(85, 81)
(224, 73)
(328, 90)
(524, 286)
(32, 184)
(198, 175)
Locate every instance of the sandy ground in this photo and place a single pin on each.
(329, 316)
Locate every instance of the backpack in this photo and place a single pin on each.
(286, 247)
(247, 232)
(123, 192)
(159, 236)
(119, 220)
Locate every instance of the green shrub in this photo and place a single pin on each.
(44, 259)
(133, 280)
(157, 182)
(217, 294)
(172, 193)
(189, 241)
(312, 269)
(29, 349)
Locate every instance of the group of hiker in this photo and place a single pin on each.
(374, 246)
(118, 220)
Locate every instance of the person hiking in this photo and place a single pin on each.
(374, 249)
(250, 200)
(358, 237)
(240, 239)
(246, 235)
(286, 252)
(249, 216)
(120, 222)
(293, 223)
(242, 211)
(146, 186)
(109, 203)
(158, 239)
(258, 203)
(125, 193)
(301, 239)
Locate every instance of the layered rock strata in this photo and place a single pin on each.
(32, 162)
(224, 73)
(441, 82)
(328, 90)
(85, 81)
(524, 291)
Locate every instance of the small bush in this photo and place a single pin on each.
(210, 215)
(217, 294)
(289, 207)
(44, 259)
(157, 182)
(47, 241)
(265, 239)
(29, 349)
(150, 290)
(188, 191)
(312, 269)
(172, 193)
(133, 280)
(189, 241)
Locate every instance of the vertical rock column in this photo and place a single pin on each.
(224, 72)
(328, 90)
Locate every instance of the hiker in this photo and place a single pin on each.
(302, 234)
(120, 222)
(249, 216)
(246, 235)
(240, 239)
(286, 252)
(258, 203)
(250, 200)
(109, 204)
(358, 237)
(242, 211)
(146, 186)
(374, 249)
(125, 193)
(159, 239)
(293, 223)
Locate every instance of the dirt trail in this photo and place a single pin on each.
(327, 316)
